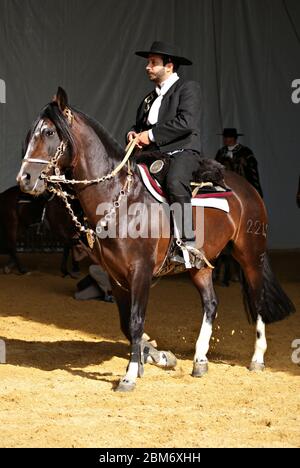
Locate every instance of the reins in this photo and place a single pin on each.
(59, 178)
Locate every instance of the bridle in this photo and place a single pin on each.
(57, 179)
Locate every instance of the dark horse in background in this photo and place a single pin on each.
(19, 211)
(91, 152)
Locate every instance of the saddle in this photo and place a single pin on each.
(208, 190)
(208, 181)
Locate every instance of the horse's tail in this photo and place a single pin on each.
(274, 304)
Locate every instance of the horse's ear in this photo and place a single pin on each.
(61, 98)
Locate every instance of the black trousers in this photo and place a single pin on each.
(183, 166)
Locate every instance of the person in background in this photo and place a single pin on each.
(239, 158)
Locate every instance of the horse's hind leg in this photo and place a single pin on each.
(251, 260)
(202, 279)
(257, 362)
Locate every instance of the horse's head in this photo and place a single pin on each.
(49, 141)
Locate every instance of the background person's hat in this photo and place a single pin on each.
(162, 48)
(230, 133)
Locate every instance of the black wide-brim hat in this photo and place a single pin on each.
(162, 48)
(230, 133)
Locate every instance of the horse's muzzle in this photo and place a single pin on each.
(28, 184)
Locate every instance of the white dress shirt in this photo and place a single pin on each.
(160, 91)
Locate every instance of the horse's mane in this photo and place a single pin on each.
(110, 144)
(52, 112)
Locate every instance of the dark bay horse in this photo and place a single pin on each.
(72, 140)
(18, 213)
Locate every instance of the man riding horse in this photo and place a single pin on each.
(168, 120)
(67, 141)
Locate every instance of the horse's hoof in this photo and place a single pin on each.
(163, 359)
(6, 270)
(170, 360)
(256, 367)
(200, 369)
(125, 386)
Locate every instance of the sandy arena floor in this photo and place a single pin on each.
(64, 358)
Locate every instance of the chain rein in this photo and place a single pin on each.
(59, 178)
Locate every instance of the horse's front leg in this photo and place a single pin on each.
(203, 282)
(133, 325)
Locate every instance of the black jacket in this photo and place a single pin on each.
(243, 162)
(178, 125)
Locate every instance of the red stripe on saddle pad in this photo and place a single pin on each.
(153, 182)
(214, 195)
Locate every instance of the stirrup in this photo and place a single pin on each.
(181, 256)
(192, 257)
(177, 259)
(185, 254)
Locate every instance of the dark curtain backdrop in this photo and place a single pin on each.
(246, 56)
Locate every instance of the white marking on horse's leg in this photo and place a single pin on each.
(132, 372)
(261, 342)
(202, 345)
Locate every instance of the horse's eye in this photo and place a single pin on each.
(49, 133)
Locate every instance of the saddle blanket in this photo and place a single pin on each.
(216, 200)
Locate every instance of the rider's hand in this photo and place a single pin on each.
(131, 136)
(143, 139)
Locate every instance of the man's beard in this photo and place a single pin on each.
(157, 77)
